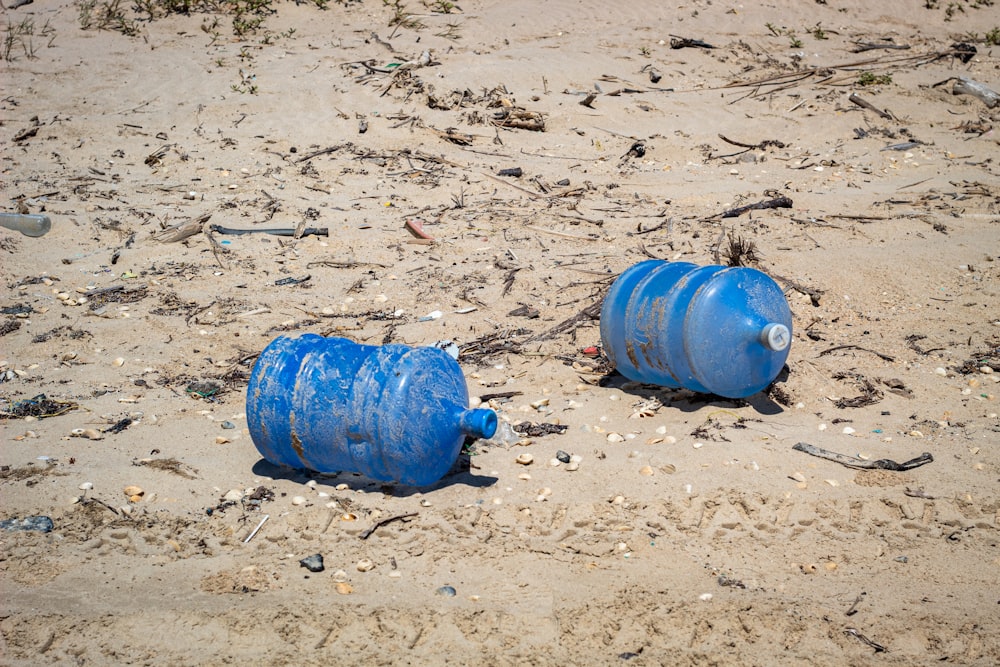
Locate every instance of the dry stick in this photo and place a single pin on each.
(216, 248)
(871, 107)
(854, 462)
(378, 524)
(561, 234)
(854, 633)
(884, 357)
(869, 46)
(322, 151)
(854, 607)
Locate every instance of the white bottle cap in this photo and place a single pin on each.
(776, 337)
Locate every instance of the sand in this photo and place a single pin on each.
(692, 533)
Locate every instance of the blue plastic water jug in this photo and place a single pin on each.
(712, 329)
(393, 413)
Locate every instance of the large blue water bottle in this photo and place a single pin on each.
(712, 329)
(393, 413)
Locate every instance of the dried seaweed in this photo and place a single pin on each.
(40, 407)
(870, 394)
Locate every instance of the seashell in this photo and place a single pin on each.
(119, 362)
(572, 466)
(133, 490)
(525, 459)
(616, 437)
(89, 433)
(298, 500)
(555, 463)
(86, 486)
(365, 565)
(344, 588)
(809, 568)
(347, 516)
(221, 440)
(670, 468)
(646, 471)
(698, 445)
(524, 476)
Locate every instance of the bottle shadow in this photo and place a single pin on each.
(460, 474)
(688, 401)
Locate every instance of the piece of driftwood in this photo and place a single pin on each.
(861, 464)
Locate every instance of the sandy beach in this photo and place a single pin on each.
(480, 172)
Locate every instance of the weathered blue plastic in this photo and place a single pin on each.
(393, 413)
(711, 329)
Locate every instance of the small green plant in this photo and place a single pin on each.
(818, 32)
(993, 37)
(400, 17)
(644, 52)
(872, 79)
(794, 42)
(441, 6)
(107, 15)
(21, 35)
(451, 32)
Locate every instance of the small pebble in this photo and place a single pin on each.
(446, 591)
(298, 500)
(848, 430)
(313, 563)
(563, 456)
(228, 425)
(573, 466)
(698, 445)
(86, 486)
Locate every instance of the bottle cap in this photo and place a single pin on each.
(776, 337)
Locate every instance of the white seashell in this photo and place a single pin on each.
(365, 565)
(525, 459)
(573, 465)
(86, 486)
(616, 437)
(118, 363)
(298, 500)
